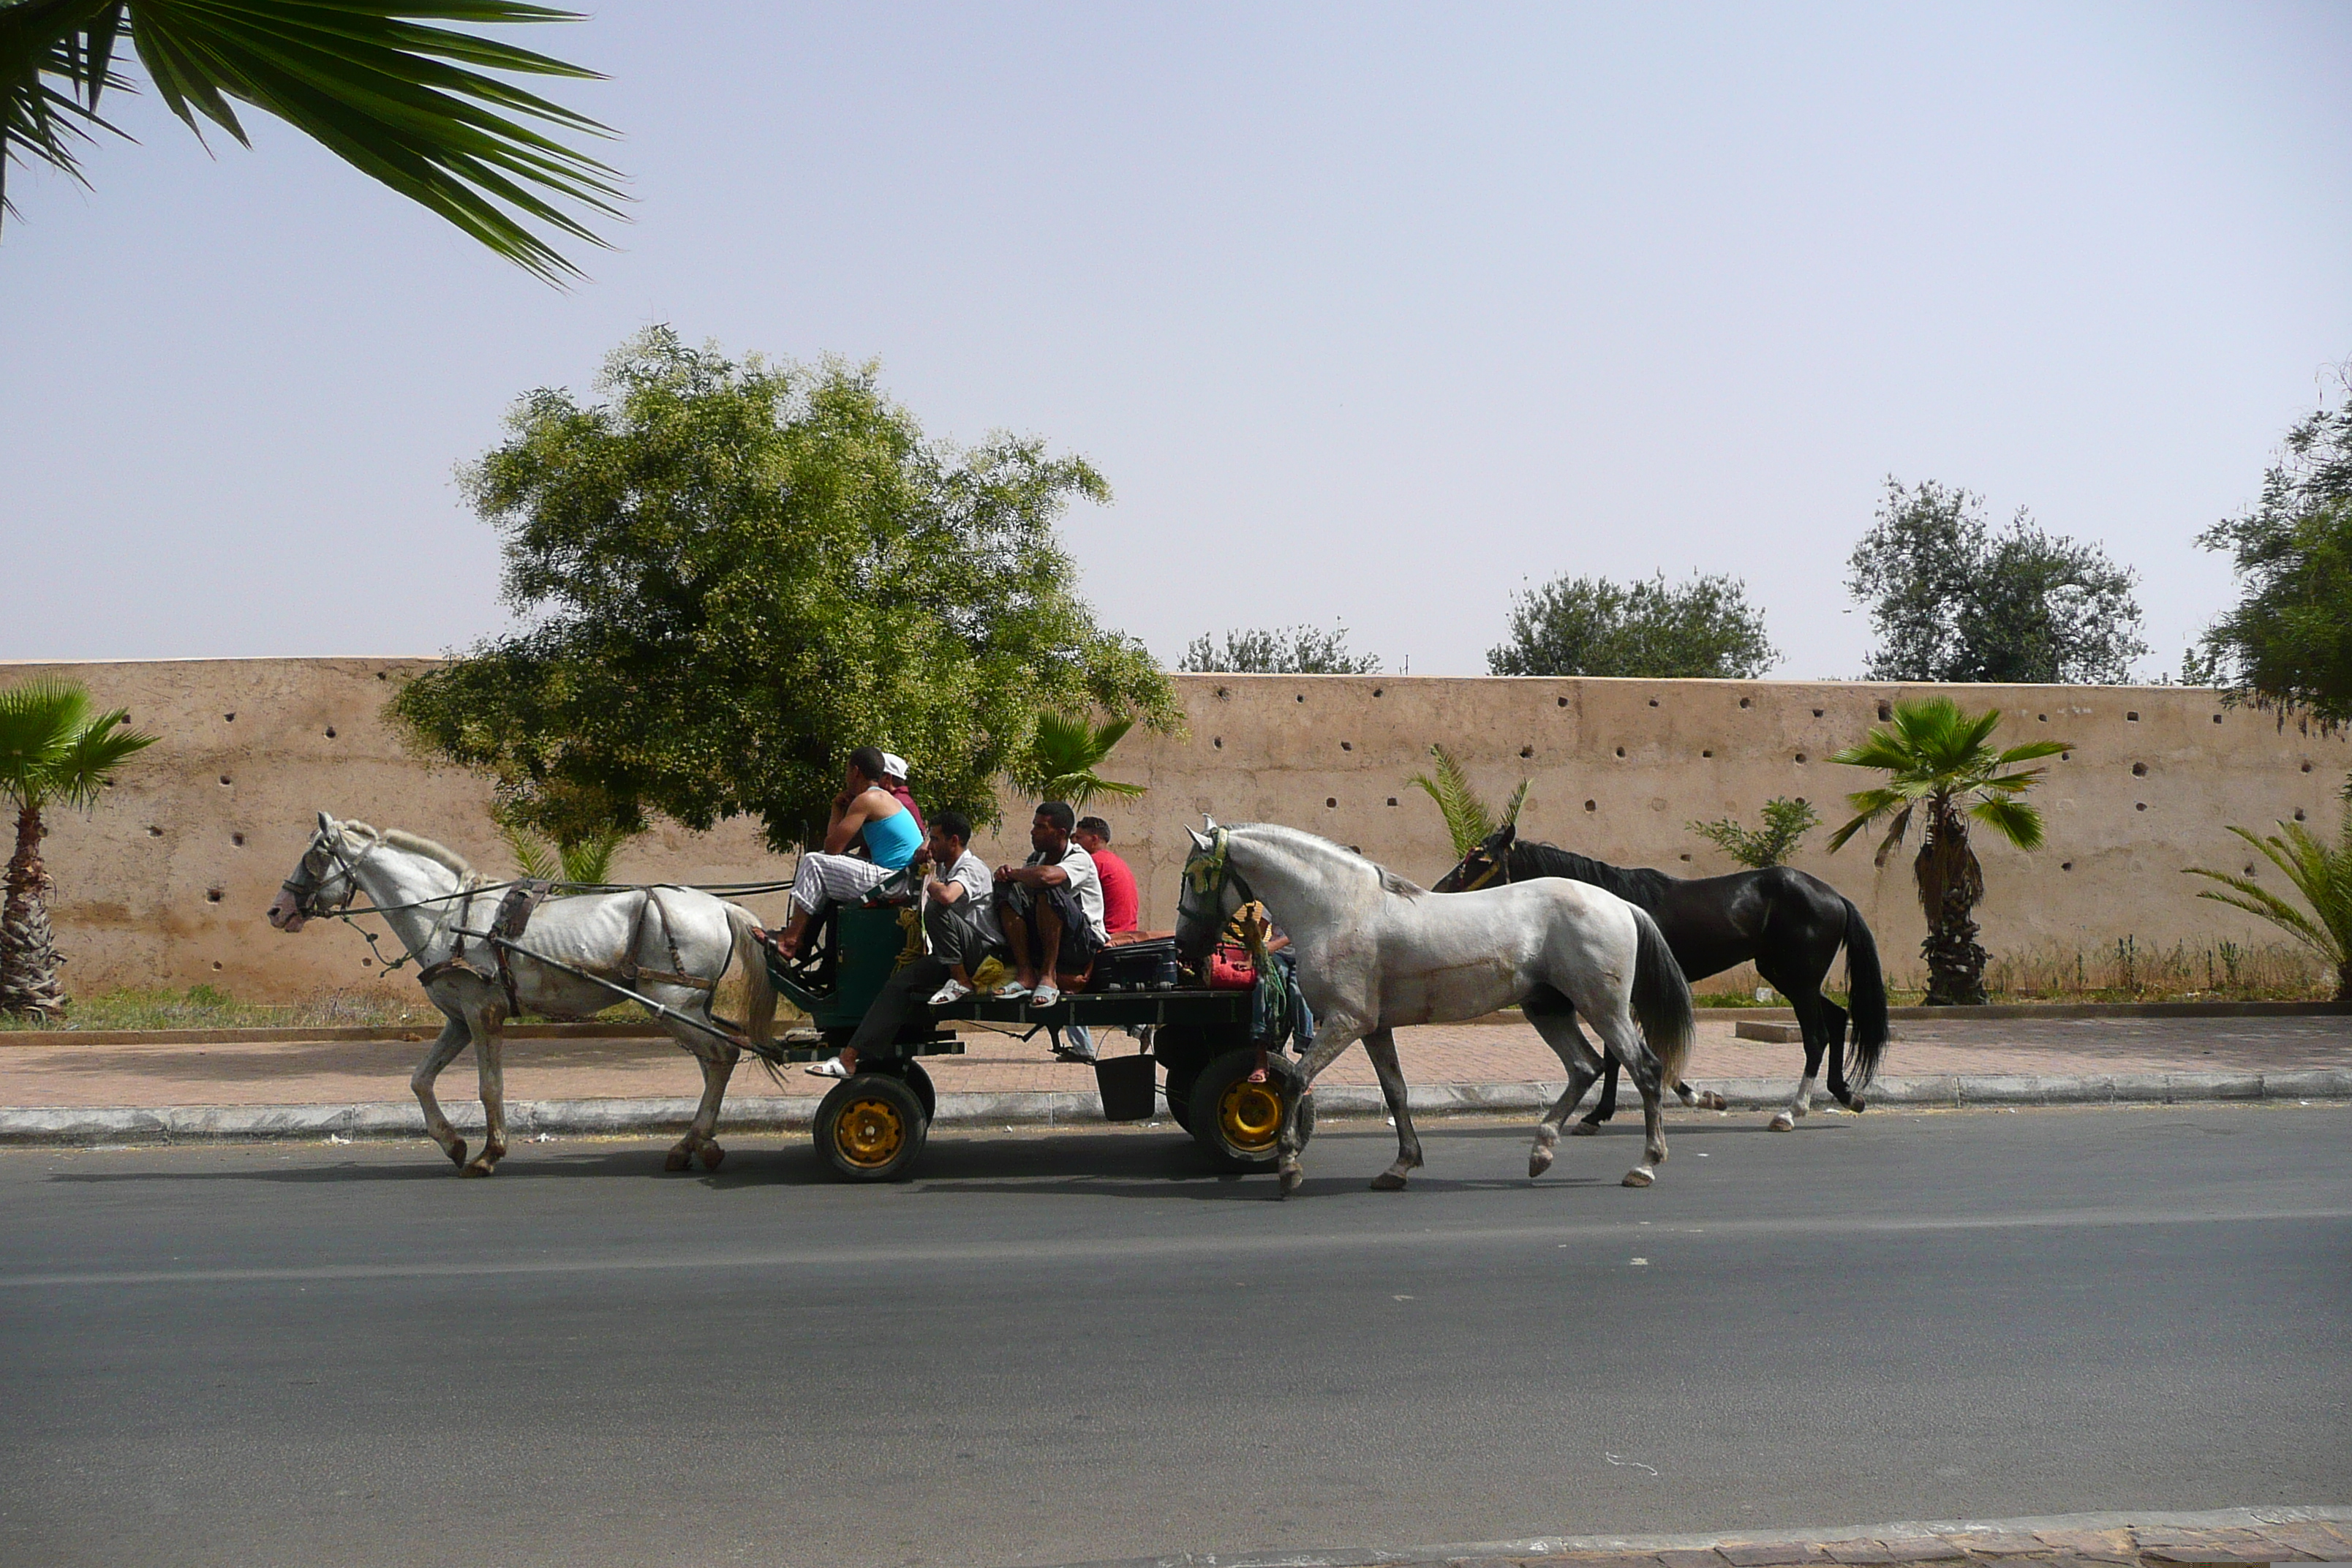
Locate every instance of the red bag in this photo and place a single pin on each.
(1231, 968)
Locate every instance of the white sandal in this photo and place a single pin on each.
(948, 995)
(829, 1068)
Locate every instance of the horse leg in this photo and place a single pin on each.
(1807, 1002)
(452, 1040)
(1607, 1105)
(1380, 1045)
(490, 1063)
(1626, 1045)
(1833, 1024)
(1329, 1041)
(718, 1067)
(1583, 1064)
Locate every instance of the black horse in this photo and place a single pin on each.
(1788, 925)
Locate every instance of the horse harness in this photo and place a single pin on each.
(512, 918)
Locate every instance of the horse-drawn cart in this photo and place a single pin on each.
(1198, 1055)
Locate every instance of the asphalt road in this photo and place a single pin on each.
(1062, 1348)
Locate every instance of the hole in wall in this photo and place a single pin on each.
(1592, 806)
(1219, 743)
(2131, 717)
(217, 964)
(1621, 750)
(1376, 691)
(1347, 745)
(1686, 856)
(2306, 767)
(2298, 814)
(1527, 750)
(2139, 806)
(228, 718)
(2065, 865)
(330, 732)
(223, 778)
(2250, 870)
(2042, 717)
(1817, 712)
(1563, 702)
(212, 895)
(1391, 800)
(1887, 711)
(380, 675)
(237, 839)
(2217, 718)
(153, 831)
(1224, 694)
(1331, 801)
(1653, 701)
(367, 964)
(1706, 753)
(2066, 756)
(1743, 702)
(2139, 770)
(1299, 697)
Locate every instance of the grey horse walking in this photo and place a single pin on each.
(1376, 953)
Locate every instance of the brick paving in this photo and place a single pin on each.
(2142, 1546)
(341, 1073)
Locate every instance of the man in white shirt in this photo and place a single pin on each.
(959, 908)
(1051, 909)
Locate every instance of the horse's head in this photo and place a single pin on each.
(1208, 897)
(1489, 862)
(321, 881)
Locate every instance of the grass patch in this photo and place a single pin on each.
(209, 1007)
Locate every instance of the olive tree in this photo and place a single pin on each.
(730, 573)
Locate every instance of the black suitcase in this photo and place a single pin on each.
(1137, 966)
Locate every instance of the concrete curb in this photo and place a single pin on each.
(2153, 1540)
(780, 1113)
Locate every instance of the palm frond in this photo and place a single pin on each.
(1467, 821)
(1518, 800)
(535, 858)
(1895, 831)
(2268, 906)
(84, 765)
(406, 102)
(2012, 819)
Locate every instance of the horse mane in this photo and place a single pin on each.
(1634, 884)
(1299, 837)
(416, 844)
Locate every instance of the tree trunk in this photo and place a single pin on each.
(1951, 885)
(28, 960)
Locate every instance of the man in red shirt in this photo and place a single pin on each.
(1121, 907)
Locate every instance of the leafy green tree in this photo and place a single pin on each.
(1703, 629)
(1940, 762)
(376, 83)
(731, 574)
(2288, 643)
(1281, 651)
(1786, 823)
(1952, 600)
(1060, 761)
(2323, 875)
(53, 752)
(1469, 820)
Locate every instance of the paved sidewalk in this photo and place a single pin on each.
(2220, 1536)
(344, 1072)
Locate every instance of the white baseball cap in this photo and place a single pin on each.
(894, 765)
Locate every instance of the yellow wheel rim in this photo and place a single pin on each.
(1249, 1116)
(869, 1132)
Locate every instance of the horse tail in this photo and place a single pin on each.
(1866, 998)
(762, 1023)
(1662, 997)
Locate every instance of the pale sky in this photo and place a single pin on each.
(1367, 313)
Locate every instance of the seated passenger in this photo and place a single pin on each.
(894, 779)
(1050, 908)
(959, 908)
(863, 812)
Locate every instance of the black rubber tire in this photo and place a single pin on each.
(1179, 1100)
(920, 1083)
(1216, 1132)
(871, 1128)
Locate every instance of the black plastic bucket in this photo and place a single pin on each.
(1129, 1087)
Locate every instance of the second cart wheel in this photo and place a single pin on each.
(920, 1083)
(1179, 1100)
(871, 1128)
(1238, 1121)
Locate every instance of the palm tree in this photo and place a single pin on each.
(1469, 821)
(1940, 759)
(1063, 756)
(579, 863)
(52, 752)
(2321, 874)
(371, 80)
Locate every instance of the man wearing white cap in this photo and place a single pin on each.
(894, 779)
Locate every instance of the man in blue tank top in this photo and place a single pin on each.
(865, 814)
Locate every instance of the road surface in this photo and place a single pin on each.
(1055, 1349)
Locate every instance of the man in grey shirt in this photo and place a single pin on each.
(959, 908)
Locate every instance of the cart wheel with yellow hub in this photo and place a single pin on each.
(1238, 1121)
(872, 1127)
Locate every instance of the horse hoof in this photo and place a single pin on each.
(1584, 1128)
(1294, 1180)
(457, 1152)
(711, 1156)
(1388, 1182)
(678, 1159)
(1640, 1176)
(1784, 1122)
(1710, 1101)
(1856, 1104)
(1539, 1161)
(476, 1168)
